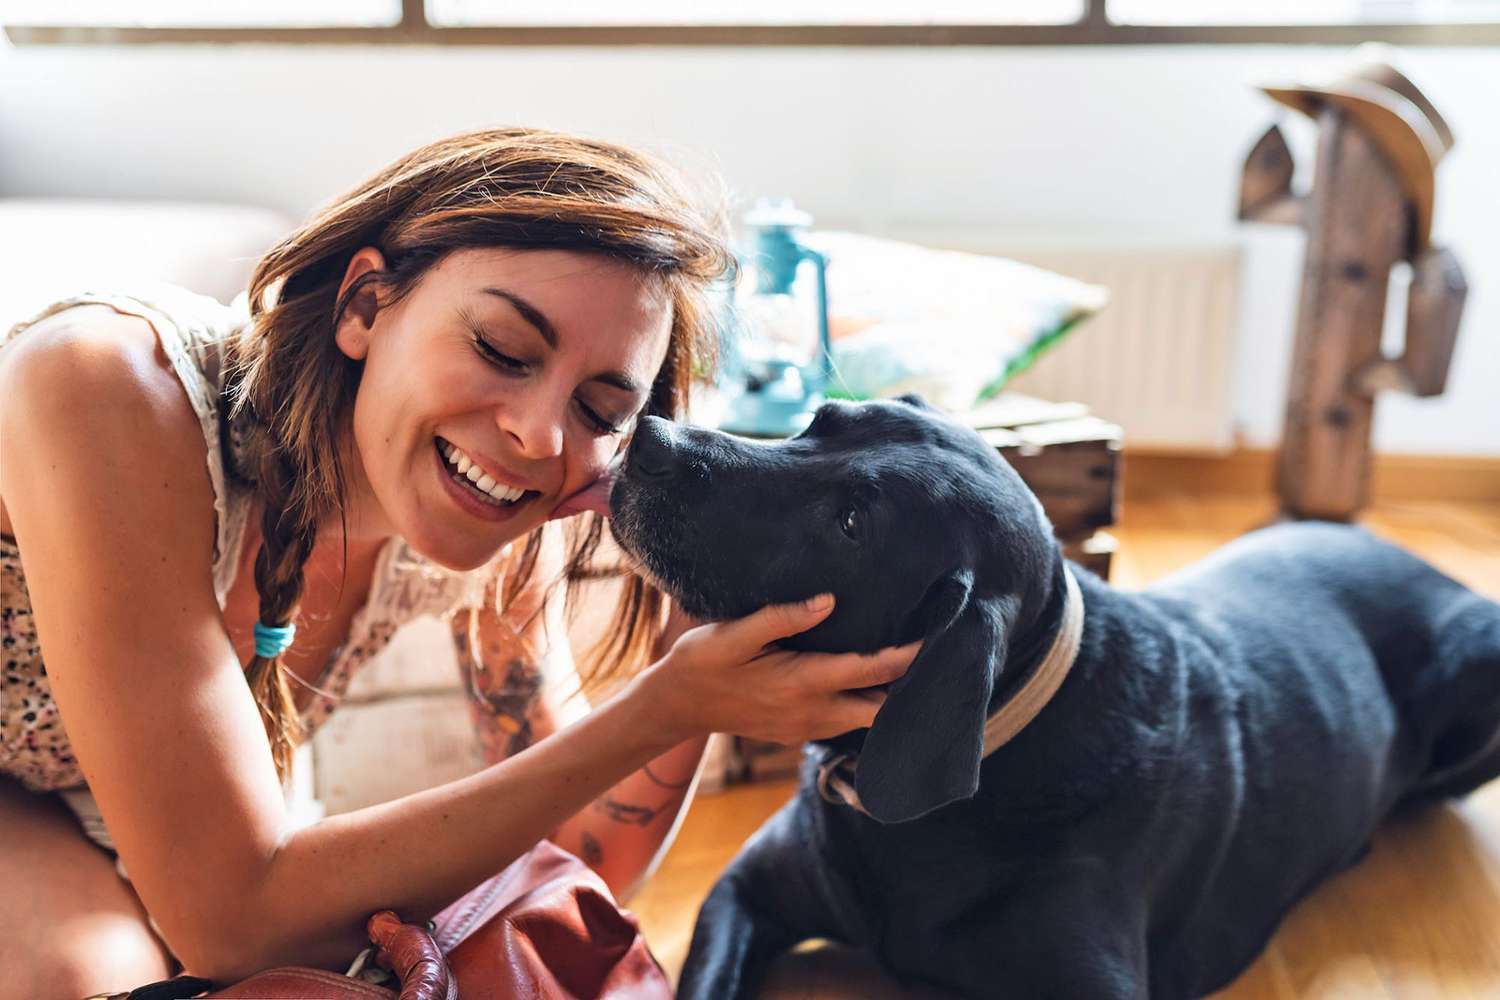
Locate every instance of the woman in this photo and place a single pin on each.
(500, 306)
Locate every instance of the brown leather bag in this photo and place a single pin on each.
(545, 928)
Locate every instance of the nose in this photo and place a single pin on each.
(652, 454)
(535, 433)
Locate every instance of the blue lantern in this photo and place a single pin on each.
(771, 388)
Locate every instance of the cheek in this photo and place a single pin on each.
(366, 423)
(373, 446)
(377, 424)
(588, 457)
(412, 394)
(383, 426)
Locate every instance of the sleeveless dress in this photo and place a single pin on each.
(192, 329)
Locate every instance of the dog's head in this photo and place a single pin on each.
(916, 525)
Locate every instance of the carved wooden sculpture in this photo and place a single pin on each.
(1369, 207)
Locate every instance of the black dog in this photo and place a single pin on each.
(1222, 743)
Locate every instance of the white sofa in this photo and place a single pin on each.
(50, 248)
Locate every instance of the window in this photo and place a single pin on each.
(1303, 12)
(197, 14)
(754, 22)
(456, 13)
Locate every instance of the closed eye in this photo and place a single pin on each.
(515, 366)
(505, 361)
(602, 425)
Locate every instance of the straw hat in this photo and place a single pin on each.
(1394, 113)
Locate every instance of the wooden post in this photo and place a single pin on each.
(1266, 184)
(1358, 225)
(1434, 307)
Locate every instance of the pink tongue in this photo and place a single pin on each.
(594, 496)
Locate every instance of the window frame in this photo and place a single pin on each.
(1093, 28)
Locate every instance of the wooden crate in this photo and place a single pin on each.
(1076, 476)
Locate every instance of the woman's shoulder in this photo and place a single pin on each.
(86, 352)
(90, 378)
(159, 345)
(186, 332)
(92, 382)
(85, 396)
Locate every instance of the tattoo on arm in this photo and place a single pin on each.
(673, 785)
(593, 854)
(508, 704)
(626, 812)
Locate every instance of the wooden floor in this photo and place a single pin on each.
(1419, 919)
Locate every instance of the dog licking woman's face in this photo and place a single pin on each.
(874, 503)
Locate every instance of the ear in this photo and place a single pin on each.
(356, 325)
(914, 399)
(924, 748)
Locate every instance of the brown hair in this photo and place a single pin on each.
(517, 188)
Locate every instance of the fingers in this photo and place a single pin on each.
(850, 671)
(850, 686)
(776, 621)
(853, 710)
(799, 695)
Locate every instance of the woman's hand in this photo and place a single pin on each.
(723, 678)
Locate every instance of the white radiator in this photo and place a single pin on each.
(1157, 360)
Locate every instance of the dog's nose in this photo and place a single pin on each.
(651, 453)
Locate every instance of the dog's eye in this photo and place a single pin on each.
(849, 522)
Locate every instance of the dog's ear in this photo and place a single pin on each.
(925, 746)
(913, 399)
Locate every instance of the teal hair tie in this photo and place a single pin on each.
(270, 642)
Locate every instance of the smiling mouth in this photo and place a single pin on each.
(480, 486)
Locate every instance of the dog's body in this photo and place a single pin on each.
(1223, 742)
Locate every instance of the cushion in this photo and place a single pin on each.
(952, 326)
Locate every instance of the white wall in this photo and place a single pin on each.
(1130, 140)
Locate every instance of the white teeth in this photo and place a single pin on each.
(465, 467)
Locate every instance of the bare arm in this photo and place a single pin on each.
(103, 478)
(624, 834)
(516, 666)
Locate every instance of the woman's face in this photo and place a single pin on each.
(529, 366)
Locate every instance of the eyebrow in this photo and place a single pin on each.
(538, 319)
(529, 313)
